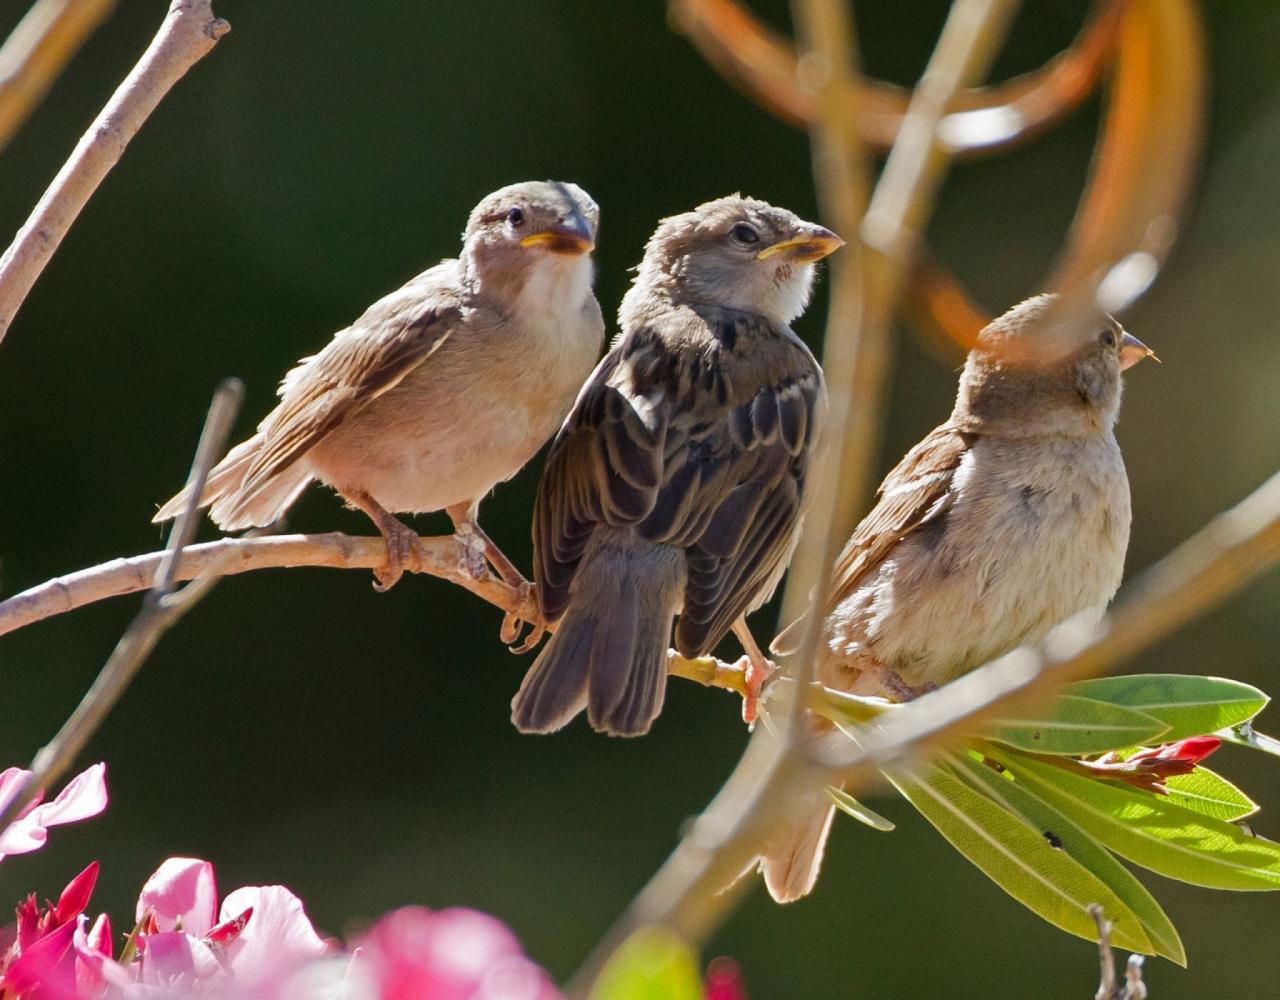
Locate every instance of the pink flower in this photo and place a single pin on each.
(41, 963)
(455, 954)
(723, 981)
(261, 932)
(84, 796)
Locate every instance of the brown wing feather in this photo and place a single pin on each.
(683, 447)
(359, 364)
(915, 492)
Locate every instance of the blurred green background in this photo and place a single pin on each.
(298, 727)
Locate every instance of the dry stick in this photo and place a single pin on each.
(35, 53)
(334, 550)
(161, 610)
(688, 893)
(189, 31)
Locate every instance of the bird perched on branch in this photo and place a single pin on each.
(675, 485)
(1005, 521)
(438, 391)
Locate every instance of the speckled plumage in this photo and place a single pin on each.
(675, 485)
(1006, 520)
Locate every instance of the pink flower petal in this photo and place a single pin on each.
(11, 779)
(277, 938)
(182, 889)
(75, 897)
(455, 954)
(41, 965)
(174, 959)
(99, 936)
(23, 836)
(84, 796)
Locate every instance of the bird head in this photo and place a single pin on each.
(1021, 374)
(533, 239)
(738, 253)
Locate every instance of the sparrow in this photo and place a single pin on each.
(1007, 519)
(440, 390)
(675, 485)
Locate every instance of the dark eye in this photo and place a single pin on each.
(516, 218)
(745, 234)
(1108, 337)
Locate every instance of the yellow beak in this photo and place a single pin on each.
(1133, 350)
(811, 244)
(570, 238)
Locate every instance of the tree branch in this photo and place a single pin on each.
(34, 54)
(189, 32)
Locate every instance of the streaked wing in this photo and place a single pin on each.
(915, 493)
(683, 447)
(361, 363)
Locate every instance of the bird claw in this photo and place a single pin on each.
(405, 551)
(526, 613)
(898, 689)
(753, 680)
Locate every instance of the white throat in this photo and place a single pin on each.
(555, 285)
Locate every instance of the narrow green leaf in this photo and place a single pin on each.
(1190, 706)
(652, 964)
(1141, 905)
(1210, 794)
(1153, 832)
(1074, 725)
(1245, 735)
(1016, 856)
(850, 806)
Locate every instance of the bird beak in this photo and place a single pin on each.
(812, 243)
(1133, 350)
(570, 237)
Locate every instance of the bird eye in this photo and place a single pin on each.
(745, 234)
(1108, 337)
(516, 218)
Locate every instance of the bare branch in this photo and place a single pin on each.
(34, 54)
(160, 611)
(189, 32)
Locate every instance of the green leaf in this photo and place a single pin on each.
(1190, 706)
(652, 964)
(847, 804)
(1016, 856)
(1073, 725)
(1245, 735)
(1141, 905)
(1210, 794)
(1153, 832)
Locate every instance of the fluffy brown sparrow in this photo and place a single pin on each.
(440, 390)
(1006, 520)
(675, 485)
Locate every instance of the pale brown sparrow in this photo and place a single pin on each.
(1006, 520)
(438, 391)
(675, 485)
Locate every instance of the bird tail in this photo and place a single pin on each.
(231, 508)
(609, 651)
(793, 857)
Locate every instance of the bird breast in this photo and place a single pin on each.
(470, 416)
(1036, 533)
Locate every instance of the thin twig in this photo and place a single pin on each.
(231, 556)
(1106, 961)
(36, 51)
(189, 32)
(161, 609)
(688, 892)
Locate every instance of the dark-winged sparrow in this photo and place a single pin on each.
(1006, 520)
(675, 485)
(441, 389)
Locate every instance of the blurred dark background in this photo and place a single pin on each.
(298, 727)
